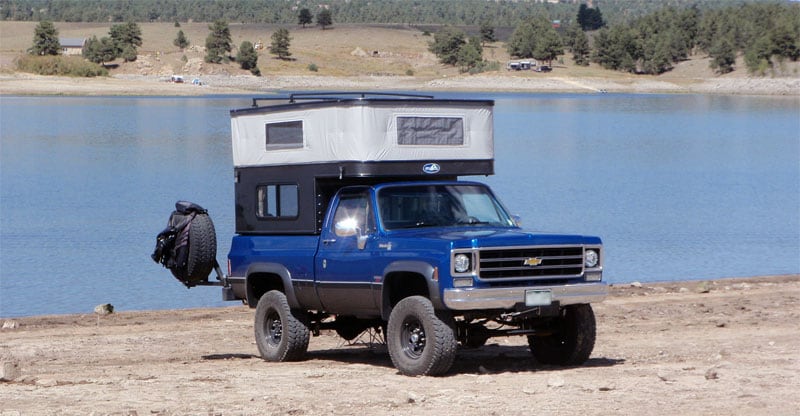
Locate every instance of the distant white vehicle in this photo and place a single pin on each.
(176, 79)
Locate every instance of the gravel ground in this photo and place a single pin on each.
(724, 347)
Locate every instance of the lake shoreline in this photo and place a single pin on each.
(149, 85)
(615, 289)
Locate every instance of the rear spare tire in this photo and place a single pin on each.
(201, 249)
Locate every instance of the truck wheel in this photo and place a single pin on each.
(573, 340)
(281, 333)
(421, 340)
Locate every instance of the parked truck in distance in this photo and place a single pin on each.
(351, 216)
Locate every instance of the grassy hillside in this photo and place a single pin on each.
(343, 50)
(338, 51)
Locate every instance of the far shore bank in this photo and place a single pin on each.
(132, 85)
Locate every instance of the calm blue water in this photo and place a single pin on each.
(679, 187)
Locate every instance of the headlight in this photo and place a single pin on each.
(591, 258)
(461, 263)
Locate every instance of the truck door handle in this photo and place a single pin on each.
(329, 241)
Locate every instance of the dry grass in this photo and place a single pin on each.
(342, 50)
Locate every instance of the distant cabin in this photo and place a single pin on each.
(72, 46)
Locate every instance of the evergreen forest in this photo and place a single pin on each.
(500, 13)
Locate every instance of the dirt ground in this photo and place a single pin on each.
(691, 348)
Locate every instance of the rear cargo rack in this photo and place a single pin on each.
(340, 96)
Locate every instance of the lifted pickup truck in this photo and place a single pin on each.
(350, 216)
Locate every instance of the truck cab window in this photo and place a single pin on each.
(353, 213)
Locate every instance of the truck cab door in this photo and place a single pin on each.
(345, 265)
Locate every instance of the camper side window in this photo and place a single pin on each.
(426, 131)
(284, 135)
(277, 201)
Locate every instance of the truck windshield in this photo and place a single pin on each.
(440, 206)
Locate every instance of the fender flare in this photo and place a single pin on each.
(422, 268)
(272, 268)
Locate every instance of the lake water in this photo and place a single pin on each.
(678, 186)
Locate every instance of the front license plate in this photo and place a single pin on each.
(538, 297)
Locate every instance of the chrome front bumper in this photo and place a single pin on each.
(507, 297)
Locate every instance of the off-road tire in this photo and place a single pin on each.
(572, 340)
(202, 250)
(421, 340)
(281, 333)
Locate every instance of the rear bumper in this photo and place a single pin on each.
(508, 297)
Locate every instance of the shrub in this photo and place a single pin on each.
(313, 67)
(72, 66)
(484, 66)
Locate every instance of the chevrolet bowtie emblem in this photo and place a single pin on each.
(532, 261)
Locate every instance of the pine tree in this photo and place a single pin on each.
(487, 32)
(324, 18)
(446, 45)
(470, 55)
(247, 57)
(128, 53)
(723, 56)
(125, 35)
(181, 41)
(304, 17)
(280, 44)
(45, 40)
(580, 48)
(100, 51)
(535, 38)
(218, 42)
(589, 18)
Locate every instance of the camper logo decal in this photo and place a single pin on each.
(431, 168)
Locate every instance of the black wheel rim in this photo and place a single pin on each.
(273, 328)
(413, 338)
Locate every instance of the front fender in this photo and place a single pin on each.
(428, 272)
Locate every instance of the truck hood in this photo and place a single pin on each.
(491, 237)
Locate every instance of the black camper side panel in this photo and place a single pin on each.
(275, 200)
(293, 199)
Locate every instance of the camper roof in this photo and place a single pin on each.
(360, 127)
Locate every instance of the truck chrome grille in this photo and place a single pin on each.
(516, 263)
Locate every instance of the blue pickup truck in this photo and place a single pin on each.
(351, 216)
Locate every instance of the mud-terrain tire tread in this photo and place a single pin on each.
(293, 342)
(573, 341)
(202, 248)
(440, 347)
